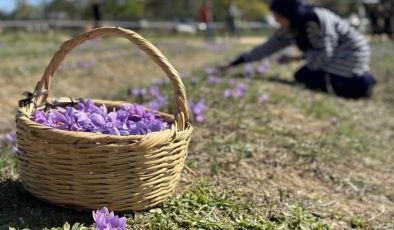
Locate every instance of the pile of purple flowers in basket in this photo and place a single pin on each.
(130, 119)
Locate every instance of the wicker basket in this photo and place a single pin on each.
(89, 171)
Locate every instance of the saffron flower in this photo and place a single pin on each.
(334, 120)
(248, 71)
(263, 98)
(138, 92)
(264, 67)
(214, 80)
(158, 103)
(11, 138)
(106, 220)
(211, 70)
(238, 92)
(198, 110)
(130, 119)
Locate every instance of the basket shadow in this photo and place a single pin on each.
(20, 209)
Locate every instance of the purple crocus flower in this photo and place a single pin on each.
(240, 90)
(263, 98)
(14, 149)
(159, 103)
(11, 137)
(198, 110)
(138, 92)
(211, 70)
(106, 220)
(40, 117)
(214, 80)
(155, 91)
(334, 120)
(228, 93)
(248, 71)
(98, 121)
(129, 119)
(200, 118)
(264, 67)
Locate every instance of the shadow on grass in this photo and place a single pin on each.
(20, 209)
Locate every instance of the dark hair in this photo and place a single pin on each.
(293, 10)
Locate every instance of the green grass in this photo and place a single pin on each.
(275, 165)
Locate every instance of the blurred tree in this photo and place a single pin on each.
(61, 9)
(250, 10)
(24, 10)
(124, 9)
(184, 9)
(343, 8)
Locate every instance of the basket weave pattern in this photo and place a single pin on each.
(88, 170)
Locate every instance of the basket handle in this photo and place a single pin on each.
(43, 86)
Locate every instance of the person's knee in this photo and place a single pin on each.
(301, 74)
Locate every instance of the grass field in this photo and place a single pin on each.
(301, 160)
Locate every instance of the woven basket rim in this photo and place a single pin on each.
(25, 120)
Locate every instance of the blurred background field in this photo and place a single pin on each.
(295, 160)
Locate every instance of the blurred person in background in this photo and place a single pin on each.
(233, 19)
(206, 17)
(96, 13)
(336, 55)
(381, 19)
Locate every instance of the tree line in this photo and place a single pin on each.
(149, 9)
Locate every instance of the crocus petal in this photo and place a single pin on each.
(98, 120)
(11, 137)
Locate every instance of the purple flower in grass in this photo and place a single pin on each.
(200, 118)
(334, 121)
(228, 93)
(214, 80)
(106, 220)
(211, 70)
(155, 91)
(264, 67)
(138, 92)
(198, 110)
(159, 103)
(11, 137)
(240, 90)
(199, 107)
(248, 71)
(14, 149)
(263, 98)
